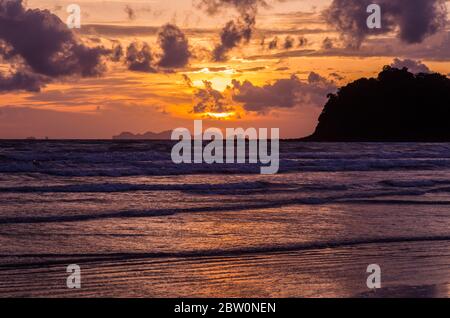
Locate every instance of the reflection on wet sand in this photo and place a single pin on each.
(409, 270)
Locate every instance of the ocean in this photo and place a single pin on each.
(140, 226)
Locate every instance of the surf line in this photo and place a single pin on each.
(233, 145)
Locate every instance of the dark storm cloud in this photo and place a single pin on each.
(40, 47)
(283, 93)
(414, 19)
(175, 47)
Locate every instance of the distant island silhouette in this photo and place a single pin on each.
(396, 106)
(165, 135)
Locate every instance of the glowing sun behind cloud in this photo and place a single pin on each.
(218, 83)
(223, 116)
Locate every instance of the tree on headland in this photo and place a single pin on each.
(396, 106)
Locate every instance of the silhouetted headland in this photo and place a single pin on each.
(396, 106)
(165, 135)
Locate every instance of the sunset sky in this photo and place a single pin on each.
(127, 70)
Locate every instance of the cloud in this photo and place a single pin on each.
(414, 19)
(288, 42)
(139, 58)
(437, 48)
(210, 100)
(232, 35)
(45, 43)
(130, 12)
(327, 44)
(112, 30)
(253, 69)
(242, 6)
(21, 80)
(283, 93)
(337, 76)
(117, 52)
(173, 44)
(175, 47)
(412, 65)
(37, 44)
(302, 41)
(235, 31)
(273, 44)
(187, 80)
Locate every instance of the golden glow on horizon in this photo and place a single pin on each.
(123, 100)
(217, 83)
(224, 116)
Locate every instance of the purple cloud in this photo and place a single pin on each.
(283, 93)
(414, 19)
(175, 47)
(412, 65)
(37, 41)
